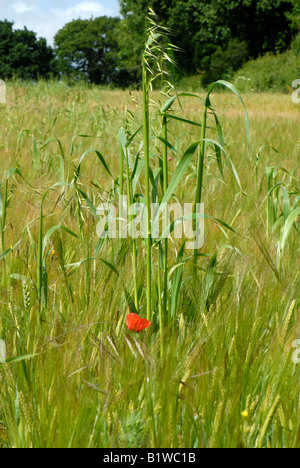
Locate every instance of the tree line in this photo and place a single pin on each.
(212, 37)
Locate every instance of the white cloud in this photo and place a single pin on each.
(88, 8)
(21, 7)
(46, 17)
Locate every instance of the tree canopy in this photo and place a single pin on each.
(213, 37)
(23, 55)
(201, 27)
(89, 49)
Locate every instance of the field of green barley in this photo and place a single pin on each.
(219, 366)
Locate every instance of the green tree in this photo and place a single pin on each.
(6, 38)
(201, 27)
(263, 24)
(23, 55)
(31, 58)
(89, 50)
(224, 62)
(294, 16)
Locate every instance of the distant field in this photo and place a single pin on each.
(220, 370)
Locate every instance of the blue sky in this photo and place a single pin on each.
(46, 17)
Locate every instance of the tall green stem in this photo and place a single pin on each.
(39, 281)
(147, 185)
(133, 241)
(200, 170)
(3, 218)
(165, 187)
(121, 176)
(160, 311)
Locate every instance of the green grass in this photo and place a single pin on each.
(190, 83)
(225, 375)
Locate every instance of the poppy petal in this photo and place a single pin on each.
(144, 323)
(135, 323)
(132, 321)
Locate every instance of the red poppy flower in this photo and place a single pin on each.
(136, 323)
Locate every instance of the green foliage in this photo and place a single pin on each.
(263, 24)
(88, 50)
(296, 45)
(192, 83)
(202, 28)
(294, 16)
(224, 62)
(23, 55)
(271, 73)
(213, 38)
(6, 37)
